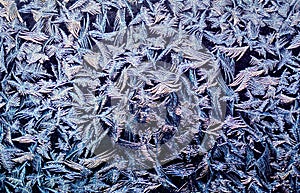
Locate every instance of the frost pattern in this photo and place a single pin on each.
(51, 75)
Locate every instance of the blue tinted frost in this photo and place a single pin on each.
(149, 96)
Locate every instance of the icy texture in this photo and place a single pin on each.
(128, 96)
